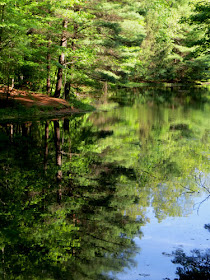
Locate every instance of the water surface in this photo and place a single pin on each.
(119, 194)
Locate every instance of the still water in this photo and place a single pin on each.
(118, 194)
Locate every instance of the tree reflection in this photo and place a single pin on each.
(75, 192)
(83, 234)
(166, 148)
(195, 266)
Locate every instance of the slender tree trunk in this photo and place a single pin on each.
(61, 60)
(7, 88)
(67, 90)
(25, 130)
(66, 125)
(73, 46)
(48, 88)
(58, 159)
(46, 145)
(13, 84)
(11, 132)
(2, 20)
(48, 67)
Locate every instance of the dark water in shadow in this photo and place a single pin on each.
(95, 196)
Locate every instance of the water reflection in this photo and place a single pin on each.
(75, 192)
(195, 266)
(59, 219)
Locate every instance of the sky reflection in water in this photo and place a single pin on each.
(161, 239)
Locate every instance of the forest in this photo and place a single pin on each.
(67, 46)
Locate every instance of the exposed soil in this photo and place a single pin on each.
(36, 99)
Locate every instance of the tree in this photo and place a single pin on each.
(13, 39)
(201, 18)
(116, 41)
(163, 49)
(198, 39)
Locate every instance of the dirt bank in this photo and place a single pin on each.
(41, 101)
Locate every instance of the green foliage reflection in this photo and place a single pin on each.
(75, 192)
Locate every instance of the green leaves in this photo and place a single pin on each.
(116, 42)
(201, 17)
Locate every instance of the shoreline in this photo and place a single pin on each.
(20, 105)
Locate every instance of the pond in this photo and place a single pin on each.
(117, 194)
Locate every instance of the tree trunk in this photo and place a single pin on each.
(25, 130)
(67, 90)
(66, 125)
(11, 132)
(58, 159)
(63, 44)
(2, 20)
(13, 84)
(70, 67)
(46, 145)
(48, 68)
